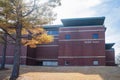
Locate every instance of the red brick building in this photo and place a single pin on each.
(78, 42)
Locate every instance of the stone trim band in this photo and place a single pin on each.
(81, 56)
(79, 39)
(82, 30)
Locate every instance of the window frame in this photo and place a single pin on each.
(95, 62)
(53, 32)
(67, 36)
(66, 63)
(95, 36)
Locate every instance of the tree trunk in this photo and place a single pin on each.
(16, 66)
(4, 52)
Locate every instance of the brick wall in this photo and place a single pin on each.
(110, 57)
(81, 48)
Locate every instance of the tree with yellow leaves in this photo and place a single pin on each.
(36, 36)
(18, 17)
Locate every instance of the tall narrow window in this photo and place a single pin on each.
(95, 36)
(67, 36)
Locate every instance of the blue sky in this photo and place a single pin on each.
(94, 8)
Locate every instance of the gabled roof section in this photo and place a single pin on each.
(109, 45)
(83, 21)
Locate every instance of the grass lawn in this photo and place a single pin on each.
(64, 73)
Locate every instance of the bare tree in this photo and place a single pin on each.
(118, 59)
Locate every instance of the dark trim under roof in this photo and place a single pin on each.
(109, 45)
(52, 27)
(83, 21)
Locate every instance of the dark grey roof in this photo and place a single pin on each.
(83, 21)
(109, 45)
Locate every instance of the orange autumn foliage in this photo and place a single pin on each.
(38, 36)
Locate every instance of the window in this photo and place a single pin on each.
(53, 32)
(95, 36)
(67, 63)
(67, 36)
(50, 63)
(95, 63)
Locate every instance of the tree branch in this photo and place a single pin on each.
(28, 13)
(8, 33)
